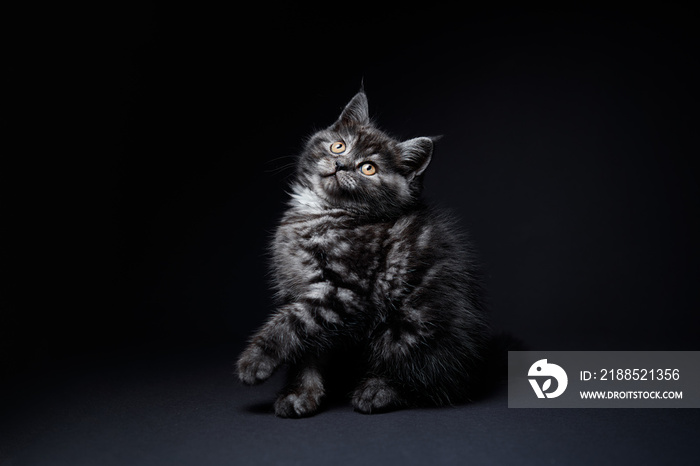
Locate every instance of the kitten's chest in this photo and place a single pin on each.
(333, 246)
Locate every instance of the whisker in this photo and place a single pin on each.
(281, 168)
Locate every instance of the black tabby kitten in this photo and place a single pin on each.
(362, 268)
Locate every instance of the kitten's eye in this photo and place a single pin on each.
(338, 147)
(368, 169)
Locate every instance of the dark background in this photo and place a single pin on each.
(151, 149)
(148, 152)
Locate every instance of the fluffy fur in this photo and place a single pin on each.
(368, 279)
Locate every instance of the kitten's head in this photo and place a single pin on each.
(354, 165)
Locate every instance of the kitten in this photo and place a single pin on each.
(364, 270)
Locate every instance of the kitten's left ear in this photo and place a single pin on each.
(356, 112)
(416, 154)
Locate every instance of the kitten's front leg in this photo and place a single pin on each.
(280, 340)
(302, 396)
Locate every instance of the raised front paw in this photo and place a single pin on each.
(375, 395)
(254, 366)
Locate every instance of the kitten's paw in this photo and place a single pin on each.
(254, 366)
(374, 395)
(297, 404)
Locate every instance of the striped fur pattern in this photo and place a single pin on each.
(363, 269)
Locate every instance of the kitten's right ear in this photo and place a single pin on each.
(356, 113)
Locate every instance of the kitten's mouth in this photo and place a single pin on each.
(336, 182)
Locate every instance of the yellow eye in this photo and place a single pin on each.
(338, 147)
(368, 169)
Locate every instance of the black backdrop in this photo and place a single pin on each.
(148, 150)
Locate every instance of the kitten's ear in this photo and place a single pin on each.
(416, 154)
(356, 112)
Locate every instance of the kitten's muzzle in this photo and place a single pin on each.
(338, 167)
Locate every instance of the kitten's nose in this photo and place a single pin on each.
(339, 166)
